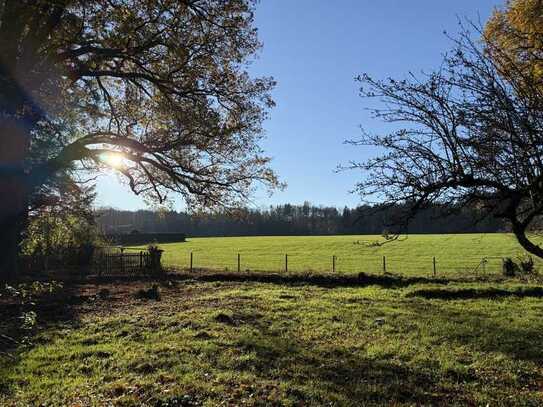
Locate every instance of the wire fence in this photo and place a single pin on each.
(434, 266)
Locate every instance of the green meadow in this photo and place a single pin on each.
(456, 255)
(228, 343)
(308, 337)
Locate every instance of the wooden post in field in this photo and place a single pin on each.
(122, 260)
(101, 263)
(286, 263)
(239, 263)
(333, 264)
(434, 266)
(384, 264)
(191, 262)
(141, 260)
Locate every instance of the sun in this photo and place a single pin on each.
(114, 160)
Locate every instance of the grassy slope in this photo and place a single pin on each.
(455, 254)
(266, 344)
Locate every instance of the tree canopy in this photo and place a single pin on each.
(156, 89)
(162, 82)
(514, 37)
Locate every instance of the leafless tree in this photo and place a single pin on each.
(469, 133)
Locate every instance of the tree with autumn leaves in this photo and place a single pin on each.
(514, 38)
(156, 89)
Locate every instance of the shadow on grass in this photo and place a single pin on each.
(324, 374)
(322, 280)
(476, 293)
(485, 329)
(50, 309)
(302, 372)
(321, 372)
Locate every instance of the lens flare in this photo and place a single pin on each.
(114, 160)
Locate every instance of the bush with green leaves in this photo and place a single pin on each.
(55, 242)
(53, 234)
(61, 226)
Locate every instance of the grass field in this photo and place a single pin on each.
(455, 254)
(211, 343)
(296, 339)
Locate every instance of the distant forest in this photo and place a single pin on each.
(302, 220)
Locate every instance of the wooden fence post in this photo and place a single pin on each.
(100, 263)
(141, 260)
(191, 262)
(333, 264)
(122, 260)
(434, 261)
(239, 262)
(286, 263)
(384, 265)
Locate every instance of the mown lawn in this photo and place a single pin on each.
(299, 344)
(456, 255)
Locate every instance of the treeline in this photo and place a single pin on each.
(303, 219)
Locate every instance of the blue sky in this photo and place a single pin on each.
(314, 49)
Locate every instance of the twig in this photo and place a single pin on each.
(9, 339)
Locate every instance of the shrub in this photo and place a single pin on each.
(527, 265)
(26, 295)
(69, 239)
(510, 268)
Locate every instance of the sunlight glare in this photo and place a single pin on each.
(114, 160)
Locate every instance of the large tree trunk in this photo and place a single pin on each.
(14, 142)
(24, 28)
(10, 238)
